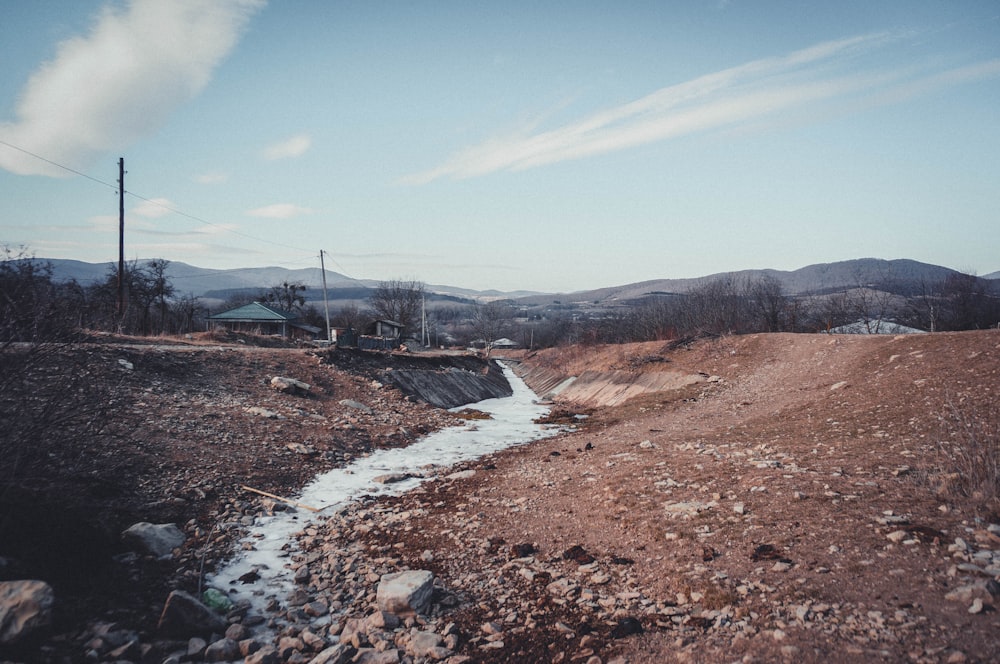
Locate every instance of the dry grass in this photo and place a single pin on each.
(972, 457)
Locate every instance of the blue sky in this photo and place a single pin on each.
(551, 146)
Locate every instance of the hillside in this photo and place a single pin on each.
(217, 285)
(905, 275)
(807, 500)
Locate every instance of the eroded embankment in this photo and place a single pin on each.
(602, 388)
(445, 381)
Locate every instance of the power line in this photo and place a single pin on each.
(58, 165)
(155, 202)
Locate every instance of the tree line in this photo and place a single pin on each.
(34, 304)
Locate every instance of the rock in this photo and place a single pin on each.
(337, 654)
(268, 655)
(689, 508)
(391, 478)
(288, 645)
(981, 590)
(184, 616)
(578, 554)
(263, 412)
(237, 632)
(159, 539)
(405, 593)
(356, 405)
(223, 650)
(422, 644)
(196, 646)
(289, 385)
(382, 620)
(372, 656)
(25, 608)
(626, 627)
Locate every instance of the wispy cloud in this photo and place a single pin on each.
(826, 72)
(120, 82)
(280, 211)
(294, 146)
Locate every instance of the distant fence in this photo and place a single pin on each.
(366, 342)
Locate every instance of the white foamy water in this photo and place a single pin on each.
(512, 424)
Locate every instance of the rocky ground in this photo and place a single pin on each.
(815, 498)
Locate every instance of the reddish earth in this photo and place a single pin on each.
(805, 506)
(812, 451)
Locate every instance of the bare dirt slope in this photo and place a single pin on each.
(189, 425)
(811, 505)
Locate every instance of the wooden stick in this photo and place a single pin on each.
(284, 500)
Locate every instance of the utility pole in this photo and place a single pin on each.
(425, 339)
(121, 240)
(326, 304)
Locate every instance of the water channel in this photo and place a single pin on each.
(512, 423)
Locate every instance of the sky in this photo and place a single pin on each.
(548, 146)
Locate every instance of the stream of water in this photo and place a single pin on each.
(512, 423)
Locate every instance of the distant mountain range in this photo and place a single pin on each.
(902, 275)
(219, 285)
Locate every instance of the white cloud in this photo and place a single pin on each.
(120, 82)
(296, 146)
(280, 211)
(761, 88)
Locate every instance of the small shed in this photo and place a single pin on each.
(259, 318)
(385, 328)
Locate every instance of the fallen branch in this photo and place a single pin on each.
(284, 500)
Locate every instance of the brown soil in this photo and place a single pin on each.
(808, 452)
(183, 440)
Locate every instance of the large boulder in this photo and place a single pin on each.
(157, 539)
(405, 593)
(184, 616)
(289, 385)
(25, 608)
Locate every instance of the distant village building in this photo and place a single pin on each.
(258, 318)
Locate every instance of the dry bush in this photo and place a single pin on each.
(972, 458)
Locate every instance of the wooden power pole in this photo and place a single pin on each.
(121, 239)
(326, 305)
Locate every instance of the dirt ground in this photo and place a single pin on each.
(812, 498)
(810, 502)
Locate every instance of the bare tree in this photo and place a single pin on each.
(768, 304)
(967, 303)
(349, 317)
(491, 321)
(185, 310)
(288, 295)
(399, 301)
(161, 290)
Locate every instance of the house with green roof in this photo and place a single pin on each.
(259, 318)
